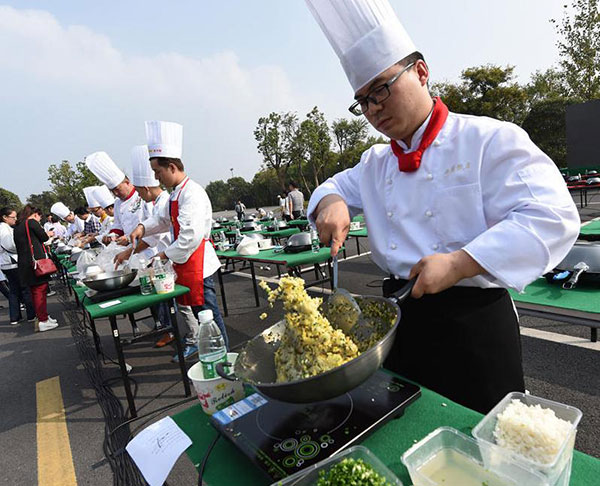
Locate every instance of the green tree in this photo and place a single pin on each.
(579, 49)
(350, 137)
(546, 85)
(546, 125)
(44, 200)
(488, 91)
(10, 199)
(274, 134)
(68, 182)
(240, 189)
(218, 193)
(265, 187)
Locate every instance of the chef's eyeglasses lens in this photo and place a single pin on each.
(377, 95)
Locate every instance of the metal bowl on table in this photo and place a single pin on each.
(114, 280)
(298, 243)
(249, 226)
(256, 362)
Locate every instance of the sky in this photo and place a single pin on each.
(81, 76)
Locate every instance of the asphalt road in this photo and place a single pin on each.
(557, 371)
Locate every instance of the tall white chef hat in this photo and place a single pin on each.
(141, 171)
(105, 169)
(60, 210)
(366, 35)
(165, 139)
(90, 197)
(104, 196)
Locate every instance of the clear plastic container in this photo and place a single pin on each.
(310, 475)
(448, 457)
(558, 471)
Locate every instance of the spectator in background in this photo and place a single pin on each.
(240, 210)
(48, 224)
(282, 203)
(295, 200)
(29, 219)
(18, 294)
(59, 230)
(261, 213)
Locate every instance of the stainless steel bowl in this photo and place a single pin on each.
(110, 280)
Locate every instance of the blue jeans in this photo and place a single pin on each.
(16, 295)
(164, 315)
(210, 302)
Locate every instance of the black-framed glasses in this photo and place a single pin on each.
(376, 95)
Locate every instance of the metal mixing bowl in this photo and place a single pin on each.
(110, 280)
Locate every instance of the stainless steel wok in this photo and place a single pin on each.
(110, 280)
(583, 258)
(256, 363)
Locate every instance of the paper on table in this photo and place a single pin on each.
(156, 448)
(109, 304)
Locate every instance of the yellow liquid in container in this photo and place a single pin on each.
(449, 467)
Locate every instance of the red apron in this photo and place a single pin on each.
(190, 273)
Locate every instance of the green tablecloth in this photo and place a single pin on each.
(132, 303)
(281, 233)
(281, 258)
(592, 228)
(228, 466)
(360, 218)
(298, 222)
(585, 299)
(359, 232)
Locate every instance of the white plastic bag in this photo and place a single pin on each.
(107, 256)
(86, 259)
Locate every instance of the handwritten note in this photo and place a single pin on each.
(156, 448)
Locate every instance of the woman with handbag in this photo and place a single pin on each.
(18, 293)
(35, 267)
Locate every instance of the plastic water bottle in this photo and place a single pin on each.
(145, 277)
(314, 240)
(211, 345)
(222, 236)
(238, 236)
(275, 224)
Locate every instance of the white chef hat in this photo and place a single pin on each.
(60, 210)
(165, 139)
(105, 169)
(104, 196)
(92, 202)
(141, 171)
(366, 35)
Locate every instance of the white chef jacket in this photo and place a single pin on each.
(483, 186)
(128, 214)
(195, 212)
(160, 241)
(59, 230)
(7, 247)
(75, 227)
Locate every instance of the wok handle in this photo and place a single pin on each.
(401, 295)
(220, 368)
(572, 282)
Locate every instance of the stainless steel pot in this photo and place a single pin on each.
(110, 280)
(256, 362)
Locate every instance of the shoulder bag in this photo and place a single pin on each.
(43, 266)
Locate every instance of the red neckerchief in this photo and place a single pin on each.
(130, 194)
(412, 161)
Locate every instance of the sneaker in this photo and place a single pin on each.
(51, 319)
(51, 293)
(14, 323)
(47, 325)
(188, 352)
(164, 340)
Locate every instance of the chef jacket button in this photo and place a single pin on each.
(428, 213)
(429, 177)
(397, 277)
(393, 246)
(388, 180)
(389, 213)
(436, 246)
(436, 143)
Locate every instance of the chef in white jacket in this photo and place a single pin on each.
(129, 207)
(467, 205)
(63, 212)
(107, 203)
(155, 201)
(188, 216)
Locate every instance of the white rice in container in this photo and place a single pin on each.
(532, 431)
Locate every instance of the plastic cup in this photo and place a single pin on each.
(165, 284)
(215, 393)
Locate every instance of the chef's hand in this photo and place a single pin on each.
(122, 240)
(136, 234)
(441, 271)
(333, 221)
(121, 257)
(108, 239)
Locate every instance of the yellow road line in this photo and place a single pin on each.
(55, 462)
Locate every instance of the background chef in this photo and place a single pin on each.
(468, 205)
(63, 212)
(188, 215)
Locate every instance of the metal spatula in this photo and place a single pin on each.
(341, 309)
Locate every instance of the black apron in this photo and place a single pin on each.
(463, 343)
